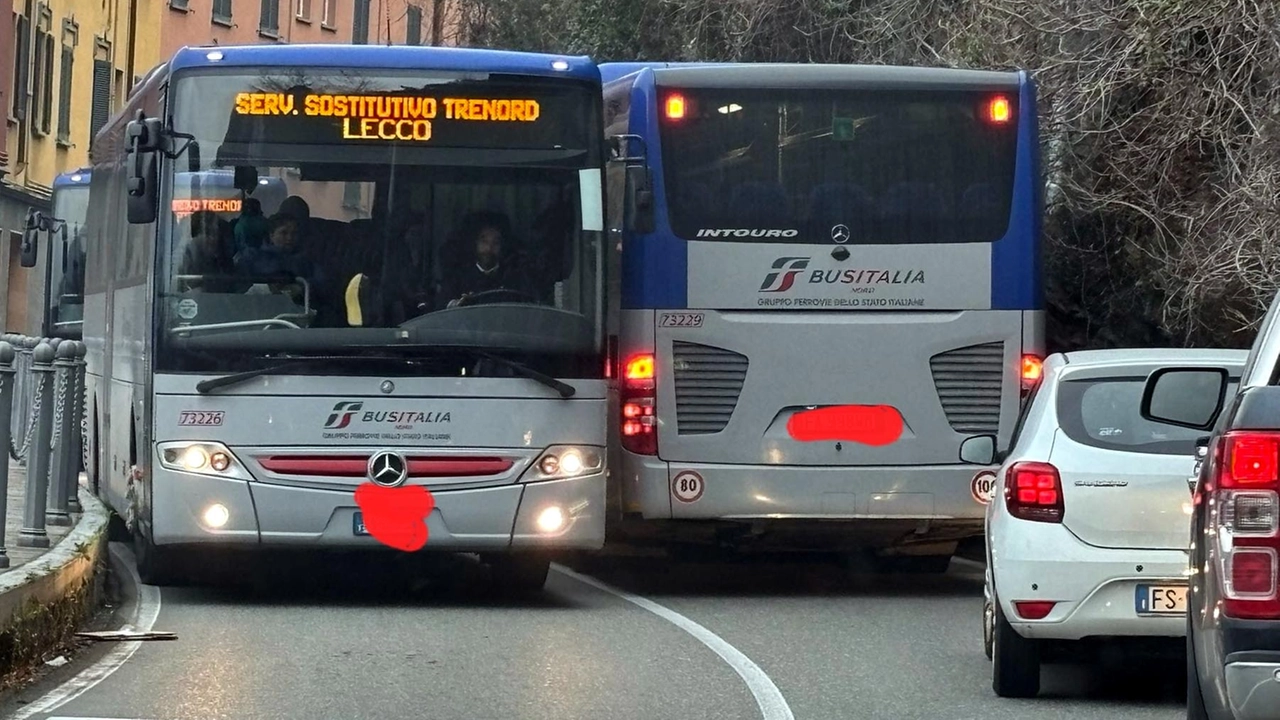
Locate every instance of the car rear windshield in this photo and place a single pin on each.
(890, 166)
(1105, 413)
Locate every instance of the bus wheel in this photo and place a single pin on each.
(156, 565)
(520, 573)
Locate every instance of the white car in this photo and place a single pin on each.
(1087, 526)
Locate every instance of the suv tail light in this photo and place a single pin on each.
(1245, 516)
(1033, 491)
(639, 411)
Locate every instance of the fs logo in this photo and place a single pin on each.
(342, 414)
(783, 275)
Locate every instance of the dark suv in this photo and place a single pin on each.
(1233, 610)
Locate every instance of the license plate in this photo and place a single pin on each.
(357, 525)
(1161, 599)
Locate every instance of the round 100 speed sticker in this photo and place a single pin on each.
(983, 483)
(687, 486)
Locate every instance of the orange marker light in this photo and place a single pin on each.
(675, 107)
(999, 110)
(1032, 366)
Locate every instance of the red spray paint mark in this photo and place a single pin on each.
(866, 424)
(396, 516)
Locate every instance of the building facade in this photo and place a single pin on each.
(67, 65)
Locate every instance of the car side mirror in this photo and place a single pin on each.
(978, 450)
(1185, 397)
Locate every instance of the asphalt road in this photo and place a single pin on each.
(364, 639)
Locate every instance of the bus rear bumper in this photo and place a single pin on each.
(475, 520)
(939, 493)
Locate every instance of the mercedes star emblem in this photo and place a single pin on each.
(840, 233)
(388, 468)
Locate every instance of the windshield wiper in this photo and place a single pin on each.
(207, 386)
(565, 389)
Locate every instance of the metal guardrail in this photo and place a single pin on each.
(41, 427)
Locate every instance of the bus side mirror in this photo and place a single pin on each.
(143, 136)
(639, 197)
(30, 249)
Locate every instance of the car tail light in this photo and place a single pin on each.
(1033, 609)
(1033, 491)
(639, 409)
(1245, 516)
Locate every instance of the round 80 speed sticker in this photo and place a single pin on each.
(687, 486)
(983, 483)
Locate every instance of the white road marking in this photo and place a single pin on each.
(772, 705)
(145, 614)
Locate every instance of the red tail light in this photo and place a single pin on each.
(639, 410)
(1033, 491)
(1033, 609)
(1245, 514)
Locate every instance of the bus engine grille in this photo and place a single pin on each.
(708, 383)
(968, 381)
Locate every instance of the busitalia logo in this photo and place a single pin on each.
(342, 414)
(783, 275)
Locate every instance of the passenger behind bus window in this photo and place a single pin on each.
(408, 283)
(251, 227)
(485, 238)
(282, 257)
(207, 253)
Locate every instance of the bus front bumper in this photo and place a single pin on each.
(488, 519)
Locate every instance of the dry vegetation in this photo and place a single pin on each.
(1160, 127)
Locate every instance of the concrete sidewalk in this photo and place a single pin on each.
(46, 593)
(19, 556)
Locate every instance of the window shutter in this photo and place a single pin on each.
(100, 111)
(64, 95)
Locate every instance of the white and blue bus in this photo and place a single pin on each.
(829, 279)
(317, 269)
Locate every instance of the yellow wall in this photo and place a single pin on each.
(92, 29)
(102, 32)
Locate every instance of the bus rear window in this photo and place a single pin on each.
(823, 166)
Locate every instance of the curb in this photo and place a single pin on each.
(42, 602)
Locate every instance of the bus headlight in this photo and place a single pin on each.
(566, 461)
(200, 458)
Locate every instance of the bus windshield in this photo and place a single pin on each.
(795, 165)
(333, 212)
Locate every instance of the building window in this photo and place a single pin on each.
(330, 13)
(222, 11)
(64, 96)
(42, 106)
(360, 26)
(101, 108)
(178, 4)
(413, 26)
(21, 66)
(304, 10)
(269, 19)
